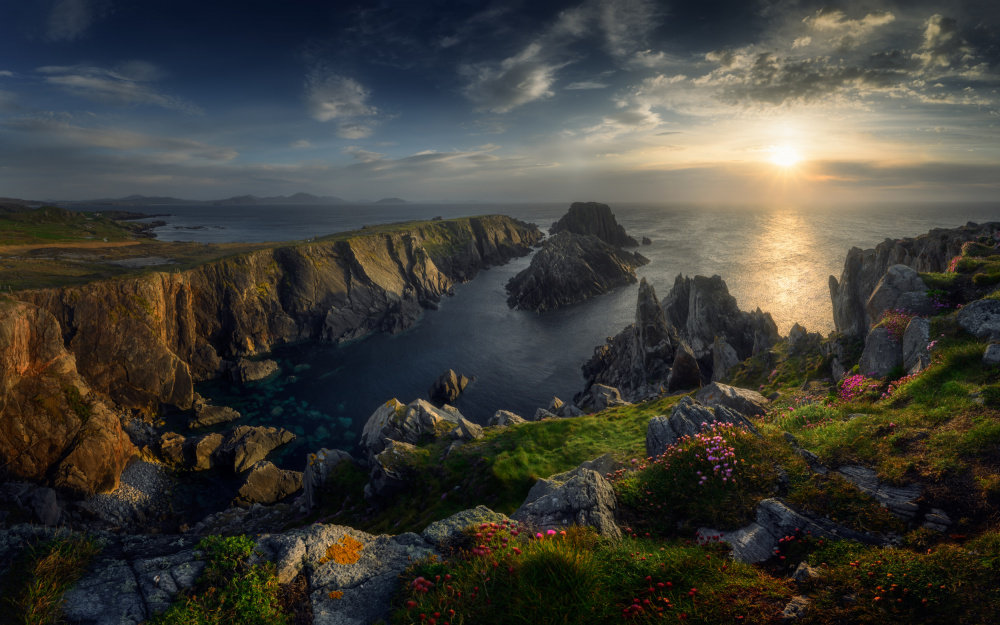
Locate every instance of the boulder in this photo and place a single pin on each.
(503, 418)
(684, 373)
(447, 533)
(542, 413)
(837, 371)
(406, 423)
(45, 506)
(991, 355)
(916, 339)
(319, 465)
(199, 451)
(687, 418)
(390, 471)
(252, 370)
(901, 288)
(981, 319)
(796, 334)
(581, 496)
(448, 386)
(245, 445)
(724, 358)
(172, 447)
(466, 431)
(796, 609)
(742, 400)
(601, 397)
(571, 268)
(899, 500)
(881, 355)
(266, 483)
(646, 241)
(561, 409)
(594, 218)
(206, 415)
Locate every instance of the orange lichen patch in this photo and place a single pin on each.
(336, 594)
(347, 551)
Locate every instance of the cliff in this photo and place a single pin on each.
(145, 340)
(864, 268)
(596, 219)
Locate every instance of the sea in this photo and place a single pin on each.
(778, 259)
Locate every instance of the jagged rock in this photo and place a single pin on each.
(837, 371)
(250, 371)
(319, 465)
(724, 358)
(702, 309)
(581, 496)
(561, 409)
(601, 397)
(596, 219)
(466, 431)
(981, 319)
(256, 519)
(864, 268)
(882, 354)
(796, 609)
(937, 520)
(684, 373)
(638, 357)
(503, 418)
(775, 520)
(899, 500)
(208, 415)
(901, 288)
(447, 533)
(646, 241)
(267, 483)
(448, 386)
(991, 355)
(199, 451)
(542, 413)
(406, 424)
(796, 334)
(742, 400)
(916, 338)
(687, 419)
(390, 471)
(245, 445)
(571, 268)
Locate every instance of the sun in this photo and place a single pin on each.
(784, 156)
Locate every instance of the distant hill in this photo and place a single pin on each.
(238, 200)
(15, 205)
(298, 198)
(391, 200)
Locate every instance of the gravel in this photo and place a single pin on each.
(143, 495)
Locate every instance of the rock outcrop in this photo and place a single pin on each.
(688, 418)
(571, 268)
(916, 341)
(144, 340)
(237, 449)
(318, 468)
(744, 401)
(391, 471)
(579, 497)
(266, 483)
(252, 370)
(448, 386)
(901, 288)
(406, 424)
(596, 219)
(882, 354)
(504, 418)
(981, 319)
(863, 269)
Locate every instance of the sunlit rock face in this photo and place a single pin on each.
(863, 269)
(596, 219)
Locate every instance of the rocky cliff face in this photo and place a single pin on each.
(144, 340)
(596, 219)
(863, 269)
(52, 427)
(571, 268)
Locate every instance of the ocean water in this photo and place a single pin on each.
(775, 258)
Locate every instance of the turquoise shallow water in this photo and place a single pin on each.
(778, 259)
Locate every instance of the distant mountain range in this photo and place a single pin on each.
(239, 200)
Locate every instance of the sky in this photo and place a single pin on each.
(729, 101)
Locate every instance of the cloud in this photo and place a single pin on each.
(943, 46)
(7, 74)
(354, 130)
(56, 131)
(630, 117)
(332, 96)
(301, 144)
(586, 84)
(626, 23)
(365, 156)
(126, 85)
(518, 80)
(70, 19)
(844, 33)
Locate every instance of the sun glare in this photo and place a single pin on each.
(784, 156)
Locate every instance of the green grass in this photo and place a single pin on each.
(229, 590)
(50, 224)
(32, 594)
(581, 578)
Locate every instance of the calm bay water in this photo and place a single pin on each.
(778, 259)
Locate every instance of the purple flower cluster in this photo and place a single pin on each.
(858, 387)
(895, 321)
